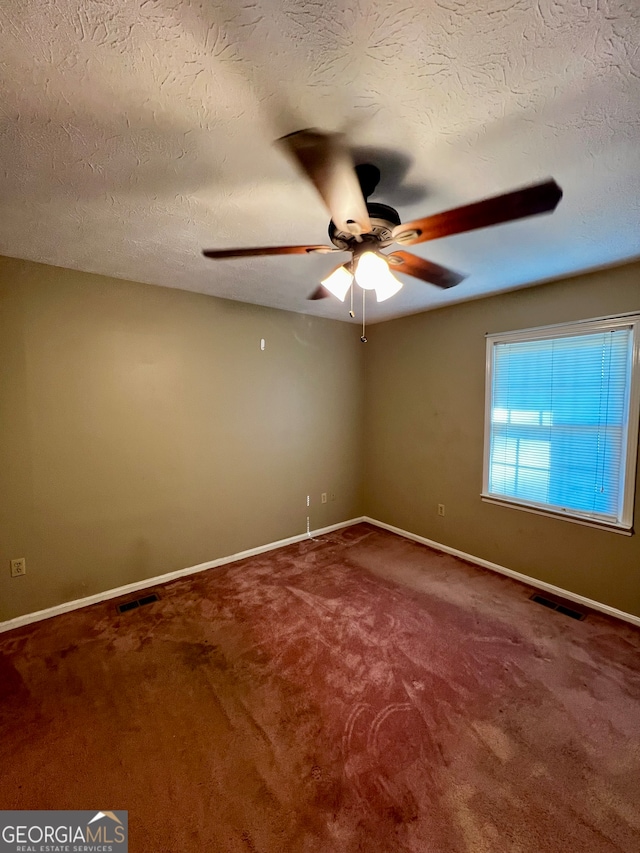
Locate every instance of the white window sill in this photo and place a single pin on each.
(612, 527)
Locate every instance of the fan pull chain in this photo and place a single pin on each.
(352, 313)
(364, 337)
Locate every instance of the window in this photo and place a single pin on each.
(561, 423)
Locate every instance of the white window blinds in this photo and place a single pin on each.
(558, 433)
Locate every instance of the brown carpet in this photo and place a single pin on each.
(304, 701)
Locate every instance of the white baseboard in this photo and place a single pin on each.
(67, 606)
(39, 615)
(538, 584)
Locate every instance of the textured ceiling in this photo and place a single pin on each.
(136, 133)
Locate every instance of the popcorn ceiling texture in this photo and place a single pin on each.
(134, 134)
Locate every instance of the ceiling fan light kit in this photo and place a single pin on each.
(371, 273)
(365, 228)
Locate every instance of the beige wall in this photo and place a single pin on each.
(424, 412)
(143, 431)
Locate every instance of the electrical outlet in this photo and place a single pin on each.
(440, 509)
(18, 567)
(323, 497)
(332, 496)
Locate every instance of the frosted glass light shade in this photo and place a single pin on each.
(370, 268)
(338, 283)
(387, 287)
(373, 273)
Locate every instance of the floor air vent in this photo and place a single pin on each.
(557, 605)
(139, 602)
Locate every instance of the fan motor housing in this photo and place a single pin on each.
(383, 220)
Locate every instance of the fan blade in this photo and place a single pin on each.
(326, 161)
(319, 293)
(432, 273)
(539, 198)
(219, 254)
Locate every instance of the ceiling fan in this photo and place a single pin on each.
(364, 228)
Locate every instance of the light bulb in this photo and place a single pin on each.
(338, 282)
(373, 273)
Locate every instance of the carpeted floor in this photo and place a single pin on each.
(356, 693)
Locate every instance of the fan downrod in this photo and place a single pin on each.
(368, 178)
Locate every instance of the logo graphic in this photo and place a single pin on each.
(105, 814)
(64, 832)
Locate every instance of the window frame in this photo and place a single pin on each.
(624, 524)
